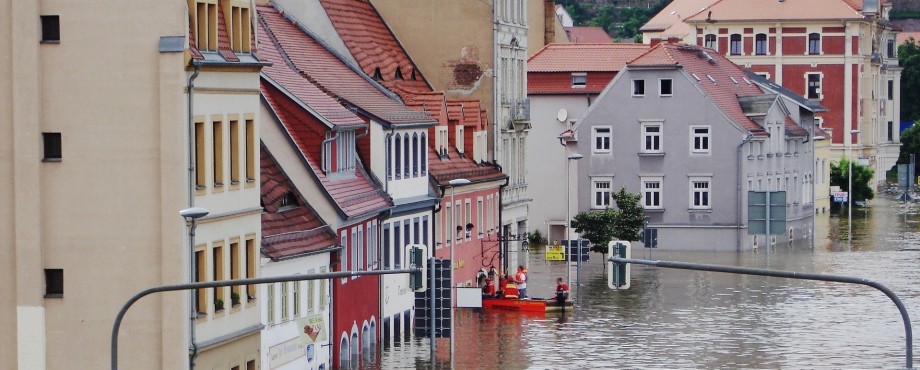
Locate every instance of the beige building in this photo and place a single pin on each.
(94, 157)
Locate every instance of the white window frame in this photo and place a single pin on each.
(704, 138)
(645, 181)
(634, 86)
(595, 190)
(706, 200)
(661, 87)
(459, 138)
(713, 43)
(440, 139)
(820, 91)
(645, 126)
(579, 80)
(595, 135)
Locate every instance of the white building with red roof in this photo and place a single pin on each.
(690, 132)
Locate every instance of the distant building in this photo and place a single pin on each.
(691, 133)
(587, 35)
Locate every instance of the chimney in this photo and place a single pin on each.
(654, 41)
(673, 40)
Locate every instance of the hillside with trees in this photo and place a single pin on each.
(620, 18)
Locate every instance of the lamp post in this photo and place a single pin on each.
(568, 216)
(850, 188)
(453, 220)
(191, 215)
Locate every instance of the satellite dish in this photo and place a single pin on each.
(562, 114)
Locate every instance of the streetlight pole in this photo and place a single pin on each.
(850, 188)
(451, 235)
(568, 217)
(191, 215)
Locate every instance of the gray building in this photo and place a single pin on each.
(693, 134)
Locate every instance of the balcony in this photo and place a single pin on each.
(520, 110)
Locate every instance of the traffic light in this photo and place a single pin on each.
(618, 273)
(416, 254)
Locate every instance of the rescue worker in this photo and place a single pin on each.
(511, 290)
(562, 292)
(520, 279)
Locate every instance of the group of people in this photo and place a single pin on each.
(516, 287)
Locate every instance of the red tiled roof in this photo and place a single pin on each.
(542, 83)
(670, 20)
(587, 35)
(318, 65)
(432, 102)
(223, 40)
(355, 196)
(373, 45)
(281, 74)
(444, 170)
(715, 73)
(293, 231)
(786, 10)
(584, 57)
(793, 129)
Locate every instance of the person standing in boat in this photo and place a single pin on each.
(562, 292)
(510, 289)
(520, 279)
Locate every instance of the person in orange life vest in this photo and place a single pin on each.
(562, 292)
(488, 290)
(511, 290)
(521, 280)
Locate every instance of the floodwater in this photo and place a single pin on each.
(691, 319)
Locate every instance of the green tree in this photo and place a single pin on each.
(602, 226)
(910, 144)
(909, 58)
(862, 176)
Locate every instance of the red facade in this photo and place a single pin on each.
(479, 248)
(356, 304)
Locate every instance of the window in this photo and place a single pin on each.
(415, 231)
(240, 29)
(201, 295)
(890, 131)
(51, 29)
(54, 283)
(199, 156)
(891, 48)
(397, 141)
(423, 155)
(415, 155)
(459, 139)
(735, 44)
(296, 298)
(234, 152)
(479, 217)
(250, 267)
(651, 192)
(890, 89)
(271, 303)
(288, 201)
(386, 247)
(814, 44)
(699, 193)
(638, 88)
(425, 231)
(700, 137)
(311, 292)
(217, 137)
(343, 241)
(406, 239)
(251, 365)
(250, 151)
(284, 301)
(235, 271)
(601, 138)
(710, 41)
(601, 190)
(665, 87)
(468, 218)
(52, 146)
(372, 253)
(651, 138)
(339, 153)
(579, 80)
(206, 22)
(760, 44)
(217, 274)
(814, 85)
(323, 290)
(396, 244)
(407, 154)
(361, 251)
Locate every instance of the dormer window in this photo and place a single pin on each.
(377, 76)
(398, 74)
(339, 152)
(240, 26)
(579, 80)
(205, 18)
(288, 201)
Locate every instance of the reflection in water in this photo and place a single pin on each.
(692, 319)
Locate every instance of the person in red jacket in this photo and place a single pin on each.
(510, 288)
(488, 290)
(562, 292)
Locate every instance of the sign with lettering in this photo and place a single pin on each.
(555, 252)
(284, 352)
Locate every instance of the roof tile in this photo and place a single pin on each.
(582, 35)
(584, 57)
(786, 10)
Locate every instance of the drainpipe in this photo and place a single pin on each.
(504, 243)
(738, 193)
(322, 147)
(191, 203)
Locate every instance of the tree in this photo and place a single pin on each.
(602, 226)
(909, 59)
(862, 176)
(910, 144)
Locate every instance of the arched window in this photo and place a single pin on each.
(389, 160)
(355, 352)
(814, 44)
(344, 356)
(760, 44)
(397, 149)
(735, 44)
(366, 344)
(407, 154)
(415, 155)
(710, 41)
(424, 154)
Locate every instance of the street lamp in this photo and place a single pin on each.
(568, 216)
(191, 215)
(453, 221)
(850, 188)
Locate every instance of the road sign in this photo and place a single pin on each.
(840, 196)
(766, 212)
(555, 252)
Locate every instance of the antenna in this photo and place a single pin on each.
(561, 115)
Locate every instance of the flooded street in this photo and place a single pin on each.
(691, 319)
